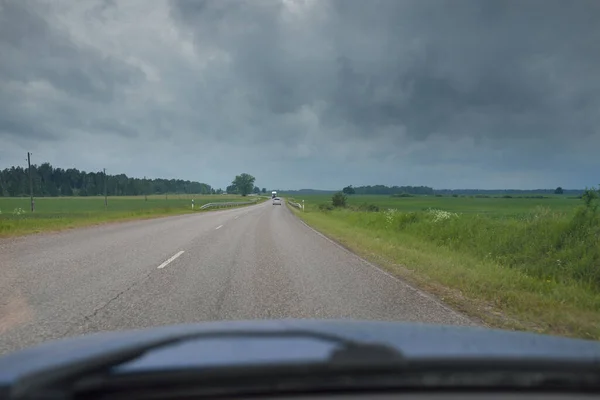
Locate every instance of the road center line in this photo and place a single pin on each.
(170, 260)
(236, 217)
(219, 227)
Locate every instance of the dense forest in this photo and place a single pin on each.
(376, 189)
(424, 190)
(447, 192)
(382, 189)
(50, 181)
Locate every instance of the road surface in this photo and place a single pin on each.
(246, 263)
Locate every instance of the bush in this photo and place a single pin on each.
(404, 219)
(325, 207)
(403, 194)
(339, 199)
(590, 198)
(367, 207)
(372, 208)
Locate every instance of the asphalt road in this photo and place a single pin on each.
(246, 263)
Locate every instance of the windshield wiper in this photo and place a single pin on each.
(349, 353)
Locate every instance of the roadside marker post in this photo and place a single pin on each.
(105, 190)
(192, 204)
(30, 182)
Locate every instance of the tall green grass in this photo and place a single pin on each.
(542, 243)
(535, 269)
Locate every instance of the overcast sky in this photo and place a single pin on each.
(306, 93)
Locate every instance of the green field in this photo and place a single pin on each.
(492, 206)
(522, 263)
(55, 213)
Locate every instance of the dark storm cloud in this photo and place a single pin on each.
(438, 92)
(112, 126)
(21, 127)
(34, 50)
(528, 68)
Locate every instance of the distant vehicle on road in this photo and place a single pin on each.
(273, 194)
(276, 201)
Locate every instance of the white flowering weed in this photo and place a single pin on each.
(441, 215)
(390, 213)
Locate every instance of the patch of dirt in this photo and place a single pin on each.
(14, 312)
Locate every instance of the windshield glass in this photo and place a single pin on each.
(402, 161)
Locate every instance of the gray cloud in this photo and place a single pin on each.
(428, 67)
(35, 50)
(309, 93)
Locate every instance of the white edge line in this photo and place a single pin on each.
(408, 285)
(219, 227)
(170, 260)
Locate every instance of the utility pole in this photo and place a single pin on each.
(105, 191)
(145, 189)
(30, 182)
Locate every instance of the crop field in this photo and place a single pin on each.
(55, 213)
(522, 263)
(493, 206)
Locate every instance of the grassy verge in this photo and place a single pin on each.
(55, 214)
(535, 272)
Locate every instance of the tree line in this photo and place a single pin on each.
(50, 181)
(389, 190)
(558, 190)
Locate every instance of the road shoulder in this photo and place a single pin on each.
(436, 293)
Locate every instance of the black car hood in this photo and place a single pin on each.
(413, 341)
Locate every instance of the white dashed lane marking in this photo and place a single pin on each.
(170, 260)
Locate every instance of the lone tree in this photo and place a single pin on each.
(231, 189)
(558, 190)
(264, 190)
(256, 190)
(244, 184)
(348, 190)
(339, 200)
